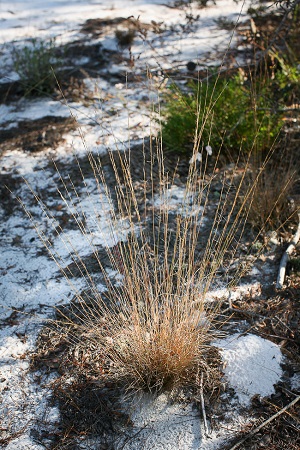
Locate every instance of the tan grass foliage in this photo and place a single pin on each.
(153, 330)
(270, 206)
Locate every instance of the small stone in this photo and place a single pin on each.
(191, 66)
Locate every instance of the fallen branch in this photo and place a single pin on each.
(285, 257)
(206, 429)
(266, 422)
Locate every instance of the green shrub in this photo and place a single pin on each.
(286, 79)
(228, 113)
(35, 64)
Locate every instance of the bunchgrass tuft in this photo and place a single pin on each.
(158, 238)
(152, 330)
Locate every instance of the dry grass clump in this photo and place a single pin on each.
(152, 328)
(154, 347)
(270, 205)
(160, 354)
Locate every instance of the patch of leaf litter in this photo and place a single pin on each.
(36, 135)
(24, 397)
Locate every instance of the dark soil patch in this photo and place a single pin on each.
(89, 265)
(9, 184)
(88, 410)
(10, 91)
(36, 135)
(86, 59)
(89, 405)
(99, 27)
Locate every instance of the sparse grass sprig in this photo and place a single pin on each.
(35, 64)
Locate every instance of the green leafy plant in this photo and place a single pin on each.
(35, 64)
(225, 112)
(286, 78)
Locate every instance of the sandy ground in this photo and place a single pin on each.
(117, 109)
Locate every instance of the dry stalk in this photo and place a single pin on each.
(265, 423)
(203, 407)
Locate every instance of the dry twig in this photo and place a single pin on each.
(206, 429)
(266, 422)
